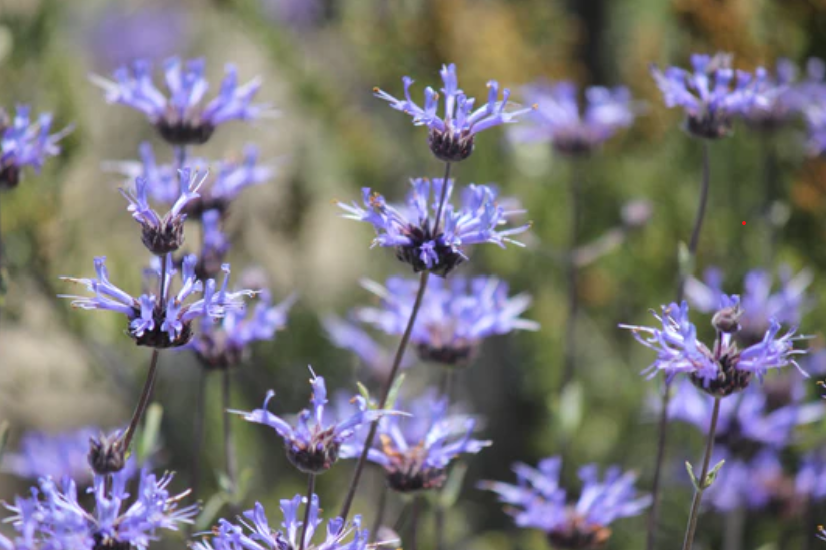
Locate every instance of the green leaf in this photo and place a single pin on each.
(365, 393)
(210, 511)
(148, 442)
(685, 260)
(4, 436)
(694, 481)
(394, 391)
(712, 475)
(569, 414)
(449, 495)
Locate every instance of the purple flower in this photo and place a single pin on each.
(746, 423)
(162, 235)
(451, 136)
(181, 118)
(214, 245)
(572, 130)
(313, 443)
(226, 180)
(780, 98)
(52, 455)
(711, 96)
(415, 451)
(54, 518)
(454, 318)
(539, 502)
(253, 531)
(226, 345)
(161, 322)
(25, 143)
(815, 116)
(409, 230)
(721, 369)
(757, 302)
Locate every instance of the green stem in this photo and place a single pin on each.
(701, 486)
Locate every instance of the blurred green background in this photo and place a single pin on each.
(319, 60)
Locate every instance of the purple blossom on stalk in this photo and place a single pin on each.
(408, 228)
(314, 443)
(758, 303)
(161, 322)
(253, 531)
(54, 519)
(454, 318)
(182, 118)
(745, 424)
(539, 502)
(711, 95)
(56, 455)
(225, 345)
(226, 180)
(723, 368)
(451, 137)
(571, 129)
(23, 143)
(415, 451)
(162, 235)
(780, 97)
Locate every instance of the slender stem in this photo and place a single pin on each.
(229, 449)
(388, 385)
(442, 200)
(180, 155)
(688, 543)
(662, 428)
(143, 402)
(733, 533)
(310, 492)
(771, 174)
(199, 431)
(162, 283)
(380, 509)
(439, 517)
(414, 523)
(571, 276)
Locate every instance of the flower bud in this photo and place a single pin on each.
(106, 455)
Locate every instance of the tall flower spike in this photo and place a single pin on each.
(315, 443)
(24, 143)
(253, 531)
(226, 345)
(181, 118)
(162, 235)
(454, 318)
(451, 136)
(54, 518)
(161, 322)
(711, 96)
(416, 451)
(571, 130)
(408, 228)
(539, 502)
(723, 368)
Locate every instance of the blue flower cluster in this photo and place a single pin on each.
(23, 143)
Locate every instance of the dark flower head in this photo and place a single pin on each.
(758, 304)
(454, 318)
(572, 130)
(227, 344)
(711, 96)
(415, 451)
(721, 369)
(181, 118)
(162, 235)
(225, 180)
(451, 136)
(408, 228)
(253, 531)
(780, 97)
(53, 517)
(25, 143)
(315, 443)
(161, 322)
(538, 502)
